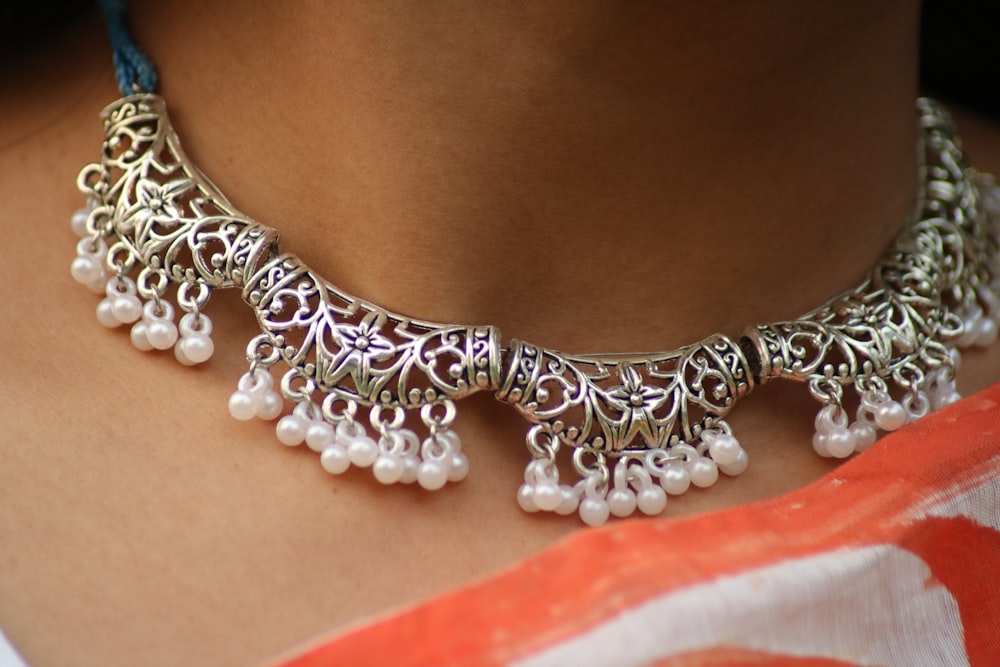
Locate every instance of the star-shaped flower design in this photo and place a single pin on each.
(876, 328)
(156, 203)
(873, 315)
(637, 402)
(360, 345)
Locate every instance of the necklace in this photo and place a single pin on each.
(635, 427)
(638, 427)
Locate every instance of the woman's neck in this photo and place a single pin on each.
(590, 176)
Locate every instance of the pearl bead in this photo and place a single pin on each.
(947, 398)
(78, 223)
(737, 467)
(548, 495)
(261, 380)
(162, 334)
(676, 480)
(828, 418)
(594, 511)
(410, 440)
(526, 498)
(451, 438)
(864, 436)
(431, 475)
(192, 324)
(181, 356)
(334, 460)
(348, 430)
(270, 406)
(243, 405)
(988, 297)
(459, 468)
(197, 348)
(890, 416)
(319, 435)
(970, 328)
(86, 270)
(840, 443)
(916, 406)
(820, 445)
(986, 332)
(387, 469)
(704, 472)
(106, 315)
(290, 430)
(652, 500)
(88, 247)
(363, 451)
(569, 502)
(724, 449)
(621, 502)
(140, 336)
(410, 465)
(126, 308)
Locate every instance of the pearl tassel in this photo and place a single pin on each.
(397, 457)
(977, 329)
(120, 305)
(156, 330)
(195, 345)
(153, 326)
(88, 266)
(255, 397)
(542, 491)
(639, 481)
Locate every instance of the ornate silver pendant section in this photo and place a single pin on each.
(637, 427)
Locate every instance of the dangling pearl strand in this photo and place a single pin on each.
(398, 456)
(639, 481)
(153, 327)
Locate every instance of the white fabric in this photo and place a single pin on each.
(828, 605)
(8, 655)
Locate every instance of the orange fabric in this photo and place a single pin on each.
(927, 497)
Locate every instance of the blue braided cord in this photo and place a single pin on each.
(133, 68)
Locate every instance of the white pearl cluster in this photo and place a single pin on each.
(88, 266)
(152, 323)
(940, 384)
(399, 456)
(195, 344)
(836, 438)
(156, 330)
(542, 491)
(121, 305)
(978, 328)
(726, 451)
(255, 397)
(878, 411)
(640, 481)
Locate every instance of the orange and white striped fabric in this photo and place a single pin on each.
(893, 559)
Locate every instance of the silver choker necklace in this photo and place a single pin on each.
(637, 427)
